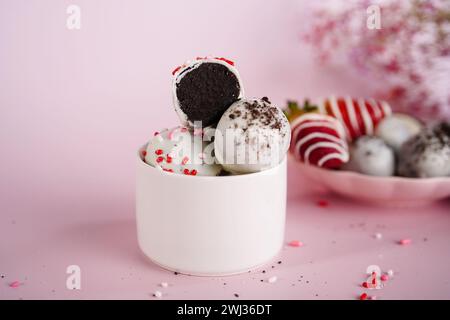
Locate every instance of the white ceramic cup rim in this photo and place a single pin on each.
(231, 176)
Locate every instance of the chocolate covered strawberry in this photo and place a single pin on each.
(359, 116)
(319, 140)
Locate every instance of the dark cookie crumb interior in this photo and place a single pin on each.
(206, 92)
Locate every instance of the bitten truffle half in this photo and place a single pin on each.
(203, 89)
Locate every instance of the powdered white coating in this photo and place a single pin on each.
(371, 156)
(396, 129)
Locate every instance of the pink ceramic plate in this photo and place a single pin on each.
(397, 191)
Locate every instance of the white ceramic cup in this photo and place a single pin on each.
(210, 226)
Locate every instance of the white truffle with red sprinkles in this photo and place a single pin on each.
(252, 135)
(178, 150)
(204, 88)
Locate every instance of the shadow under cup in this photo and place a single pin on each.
(207, 225)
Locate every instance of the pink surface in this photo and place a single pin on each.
(74, 107)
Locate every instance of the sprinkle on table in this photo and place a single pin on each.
(164, 284)
(378, 236)
(157, 294)
(405, 242)
(14, 284)
(390, 273)
(295, 243)
(272, 279)
(384, 277)
(363, 296)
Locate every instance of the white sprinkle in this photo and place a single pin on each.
(157, 294)
(378, 236)
(390, 273)
(164, 284)
(272, 279)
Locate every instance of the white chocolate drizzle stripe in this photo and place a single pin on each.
(312, 124)
(367, 119)
(301, 142)
(344, 157)
(352, 115)
(337, 113)
(324, 144)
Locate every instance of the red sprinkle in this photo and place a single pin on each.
(175, 70)
(365, 284)
(185, 160)
(384, 277)
(183, 129)
(144, 153)
(226, 60)
(194, 172)
(323, 203)
(14, 284)
(168, 170)
(405, 242)
(295, 243)
(186, 171)
(159, 159)
(156, 133)
(363, 296)
(159, 152)
(168, 159)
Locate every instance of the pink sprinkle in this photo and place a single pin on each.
(14, 284)
(171, 133)
(405, 242)
(296, 243)
(185, 160)
(323, 203)
(384, 277)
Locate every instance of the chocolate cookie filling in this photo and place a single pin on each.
(206, 92)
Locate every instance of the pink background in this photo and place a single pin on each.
(74, 107)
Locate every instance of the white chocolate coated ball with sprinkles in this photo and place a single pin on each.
(181, 151)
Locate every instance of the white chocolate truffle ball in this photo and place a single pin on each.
(396, 129)
(370, 155)
(252, 135)
(178, 150)
(427, 154)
